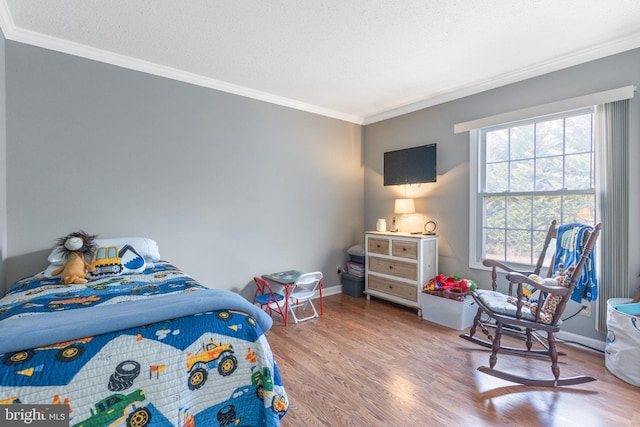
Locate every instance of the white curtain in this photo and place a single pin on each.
(612, 189)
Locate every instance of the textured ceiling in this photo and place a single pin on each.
(357, 60)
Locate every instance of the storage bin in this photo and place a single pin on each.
(623, 340)
(448, 312)
(352, 285)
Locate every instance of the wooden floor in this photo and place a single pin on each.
(373, 363)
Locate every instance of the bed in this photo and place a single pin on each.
(149, 347)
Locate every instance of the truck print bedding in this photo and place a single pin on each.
(151, 348)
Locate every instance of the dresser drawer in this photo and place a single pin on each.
(402, 269)
(404, 249)
(378, 246)
(393, 287)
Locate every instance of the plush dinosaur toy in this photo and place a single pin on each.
(75, 247)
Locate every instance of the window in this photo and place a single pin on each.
(527, 174)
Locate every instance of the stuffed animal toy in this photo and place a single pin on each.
(75, 247)
(563, 278)
(551, 303)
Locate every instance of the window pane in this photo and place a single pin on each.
(521, 178)
(519, 212)
(579, 208)
(549, 174)
(497, 145)
(545, 210)
(578, 134)
(540, 162)
(519, 246)
(577, 171)
(538, 244)
(497, 177)
(494, 208)
(522, 143)
(549, 138)
(494, 244)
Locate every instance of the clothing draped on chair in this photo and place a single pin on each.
(569, 249)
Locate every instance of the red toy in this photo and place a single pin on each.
(451, 283)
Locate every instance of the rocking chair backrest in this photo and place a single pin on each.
(551, 234)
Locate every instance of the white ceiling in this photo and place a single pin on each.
(356, 60)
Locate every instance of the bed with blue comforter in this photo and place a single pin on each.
(152, 348)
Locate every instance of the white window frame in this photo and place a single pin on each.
(476, 172)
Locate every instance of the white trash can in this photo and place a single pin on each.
(622, 349)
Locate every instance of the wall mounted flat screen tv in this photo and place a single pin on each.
(410, 165)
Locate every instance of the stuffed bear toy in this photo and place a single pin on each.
(74, 248)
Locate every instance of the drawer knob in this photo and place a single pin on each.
(404, 249)
(391, 267)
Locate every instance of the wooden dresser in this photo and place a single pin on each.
(398, 264)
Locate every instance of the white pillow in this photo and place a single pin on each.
(147, 248)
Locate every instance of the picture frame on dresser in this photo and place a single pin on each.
(398, 264)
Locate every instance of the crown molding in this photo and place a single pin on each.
(577, 58)
(11, 32)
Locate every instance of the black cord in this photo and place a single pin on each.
(573, 315)
(581, 345)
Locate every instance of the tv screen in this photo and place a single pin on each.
(410, 166)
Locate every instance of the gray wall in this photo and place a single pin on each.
(447, 201)
(3, 167)
(228, 186)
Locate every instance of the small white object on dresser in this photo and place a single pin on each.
(398, 264)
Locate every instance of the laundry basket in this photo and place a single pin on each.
(623, 340)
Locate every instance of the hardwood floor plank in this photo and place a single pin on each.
(374, 363)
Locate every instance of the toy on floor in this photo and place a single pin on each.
(453, 287)
(75, 248)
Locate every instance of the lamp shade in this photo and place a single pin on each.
(404, 206)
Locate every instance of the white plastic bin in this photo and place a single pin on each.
(622, 349)
(447, 312)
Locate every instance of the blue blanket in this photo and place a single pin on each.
(569, 249)
(42, 311)
(48, 328)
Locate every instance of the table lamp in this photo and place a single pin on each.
(404, 207)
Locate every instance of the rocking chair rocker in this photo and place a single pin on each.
(515, 314)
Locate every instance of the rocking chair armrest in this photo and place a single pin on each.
(497, 264)
(557, 290)
(519, 279)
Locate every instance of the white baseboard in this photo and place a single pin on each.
(332, 290)
(581, 341)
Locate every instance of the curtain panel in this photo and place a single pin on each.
(612, 191)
